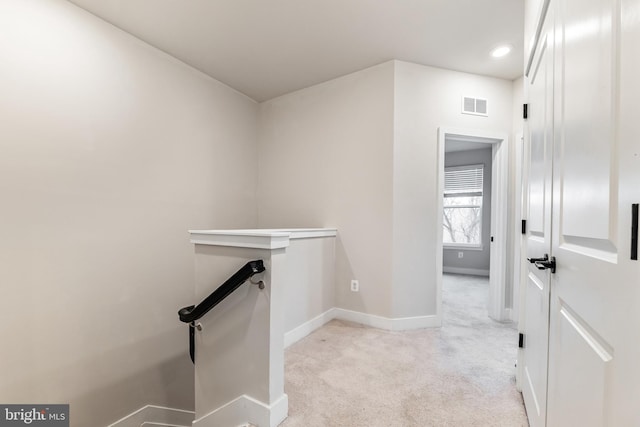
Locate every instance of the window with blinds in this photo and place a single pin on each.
(462, 215)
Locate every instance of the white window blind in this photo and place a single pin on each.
(463, 180)
(462, 213)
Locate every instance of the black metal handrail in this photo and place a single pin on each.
(194, 312)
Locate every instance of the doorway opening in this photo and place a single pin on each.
(476, 171)
(472, 296)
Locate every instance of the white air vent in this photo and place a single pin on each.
(476, 106)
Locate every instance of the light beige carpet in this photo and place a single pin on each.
(462, 374)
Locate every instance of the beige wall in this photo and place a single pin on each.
(325, 156)
(427, 98)
(310, 286)
(109, 151)
(360, 153)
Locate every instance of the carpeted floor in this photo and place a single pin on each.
(347, 375)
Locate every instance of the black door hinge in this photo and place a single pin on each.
(634, 231)
(524, 226)
(525, 111)
(521, 340)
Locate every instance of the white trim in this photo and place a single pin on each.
(245, 409)
(518, 212)
(540, 14)
(439, 227)
(474, 135)
(309, 233)
(306, 328)
(240, 239)
(459, 247)
(499, 229)
(499, 194)
(398, 324)
(257, 238)
(508, 314)
(469, 271)
(521, 279)
(157, 416)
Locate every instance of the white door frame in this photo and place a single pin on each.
(519, 243)
(518, 239)
(499, 185)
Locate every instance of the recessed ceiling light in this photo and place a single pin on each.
(501, 51)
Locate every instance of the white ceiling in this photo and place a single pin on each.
(455, 143)
(266, 48)
(453, 146)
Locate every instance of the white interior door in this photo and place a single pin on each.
(593, 298)
(535, 310)
(584, 178)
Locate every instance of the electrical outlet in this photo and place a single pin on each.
(460, 254)
(355, 286)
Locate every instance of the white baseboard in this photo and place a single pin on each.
(389, 324)
(469, 271)
(508, 314)
(307, 327)
(245, 409)
(399, 324)
(151, 415)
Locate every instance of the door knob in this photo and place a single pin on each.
(547, 264)
(534, 260)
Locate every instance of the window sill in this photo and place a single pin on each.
(453, 247)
